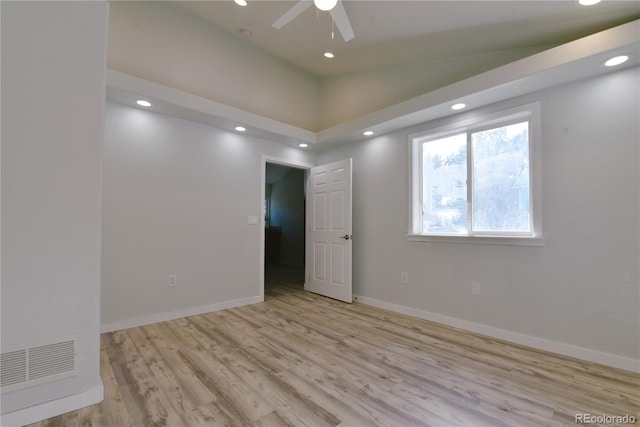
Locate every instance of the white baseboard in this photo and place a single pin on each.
(613, 360)
(53, 408)
(176, 314)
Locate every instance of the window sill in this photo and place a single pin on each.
(477, 240)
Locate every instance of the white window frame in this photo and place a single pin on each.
(469, 125)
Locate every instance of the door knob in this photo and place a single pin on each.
(345, 237)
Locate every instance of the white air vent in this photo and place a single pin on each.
(13, 368)
(37, 363)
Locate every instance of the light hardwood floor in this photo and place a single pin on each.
(299, 359)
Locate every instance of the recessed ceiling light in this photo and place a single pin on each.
(303, 145)
(329, 55)
(143, 103)
(240, 128)
(616, 60)
(367, 133)
(589, 2)
(241, 2)
(458, 106)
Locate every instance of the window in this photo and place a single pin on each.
(478, 178)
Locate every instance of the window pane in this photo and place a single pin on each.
(444, 185)
(501, 179)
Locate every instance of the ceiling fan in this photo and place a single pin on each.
(334, 7)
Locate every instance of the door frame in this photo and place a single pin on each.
(263, 183)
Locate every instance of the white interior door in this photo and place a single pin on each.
(329, 230)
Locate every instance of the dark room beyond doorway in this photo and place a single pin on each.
(284, 230)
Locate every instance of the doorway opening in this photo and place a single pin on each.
(284, 205)
(326, 236)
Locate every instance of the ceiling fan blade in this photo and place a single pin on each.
(295, 10)
(341, 19)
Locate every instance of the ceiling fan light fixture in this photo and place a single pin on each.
(325, 5)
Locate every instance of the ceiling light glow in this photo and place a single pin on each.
(588, 2)
(303, 145)
(616, 60)
(367, 133)
(240, 128)
(143, 103)
(325, 5)
(329, 55)
(458, 106)
(241, 2)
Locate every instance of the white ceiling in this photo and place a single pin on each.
(573, 61)
(390, 33)
(394, 32)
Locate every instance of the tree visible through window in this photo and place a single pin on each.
(501, 178)
(444, 198)
(476, 181)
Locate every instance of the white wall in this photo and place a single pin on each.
(165, 44)
(582, 287)
(177, 196)
(53, 74)
(287, 211)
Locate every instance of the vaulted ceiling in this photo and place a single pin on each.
(402, 50)
(389, 33)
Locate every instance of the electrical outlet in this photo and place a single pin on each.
(475, 288)
(404, 277)
(173, 280)
(253, 220)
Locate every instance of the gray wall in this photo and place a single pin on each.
(177, 196)
(287, 211)
(53, 73)
(582, 287)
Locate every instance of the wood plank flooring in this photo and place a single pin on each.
(299, 359)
